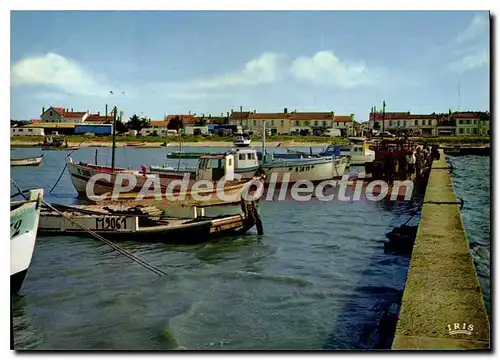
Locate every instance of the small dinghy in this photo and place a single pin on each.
(29, 161)
(401, 240)
(146, 223)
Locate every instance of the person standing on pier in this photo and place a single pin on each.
(419, 160)
(410, 168)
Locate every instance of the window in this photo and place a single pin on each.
(306, 123)
(241, 156)
(474, 131)
(282, 123)
(391, 123)
(50, 114)
(461, 130)
(30, 130)
(272, 122)
(229, 162)
(399, 123)
(337, 124)
(316, 123)
(468, 122)
(416, 122)
(255, 123)
(324, 123)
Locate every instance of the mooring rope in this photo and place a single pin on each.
(124, 252)
(65, 166)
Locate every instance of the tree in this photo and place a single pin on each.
(136, 123)
(201, 122)
(121, 127)
(175, 123)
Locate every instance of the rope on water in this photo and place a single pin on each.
(124, 252)
(65, 166)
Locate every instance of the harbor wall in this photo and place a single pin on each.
(442, 306)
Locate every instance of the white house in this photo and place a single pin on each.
(62, 115)
(26, 131)
(196, 130)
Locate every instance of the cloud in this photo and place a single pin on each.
(60, 73)
(261, 70)
(326, 68)
(471, 46)
(471, 61)
(477, 27)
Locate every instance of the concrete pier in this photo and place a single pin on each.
(442, 292)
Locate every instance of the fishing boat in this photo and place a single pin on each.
(52, 143)
(242, 141)
(29, 161)
(24, 219)
(151, 224)
(311, 168)
(217, 169)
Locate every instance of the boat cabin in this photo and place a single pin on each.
(245, 158)
(214, 167)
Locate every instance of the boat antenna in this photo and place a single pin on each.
(180, 144)
(263, 141)
(383, 119)
(114, 142)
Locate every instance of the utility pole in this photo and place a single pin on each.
(106, 112)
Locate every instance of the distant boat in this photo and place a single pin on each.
(242, 141)
(184, 155)
(29, 161)
(24, 218)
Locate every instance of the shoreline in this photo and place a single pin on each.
(155, 145)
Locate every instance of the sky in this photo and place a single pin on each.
(209, 62)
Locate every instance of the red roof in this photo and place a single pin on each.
(390, 115)
(96, 118)
(74, 114)
(343, 118)
(59, 110)
(312, 116)
(35, 121)
(270, 116)
(159, 123)
(186, 119)
(467, 115)
(239, 115)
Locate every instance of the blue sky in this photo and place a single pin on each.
(211, 62)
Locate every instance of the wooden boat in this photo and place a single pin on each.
(151, 224)
(24, 219)
(211, 168)
(56, 143)
(29, 161)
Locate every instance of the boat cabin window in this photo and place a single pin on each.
(251, 156)
(241, 156)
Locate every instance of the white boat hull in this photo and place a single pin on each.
(34, 161)
(305, 170)
(24, 221)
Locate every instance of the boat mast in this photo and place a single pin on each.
(114, 142)
(180, 144)
(383, 118)
(263, 141)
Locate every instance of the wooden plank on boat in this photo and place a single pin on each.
(101, 223)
